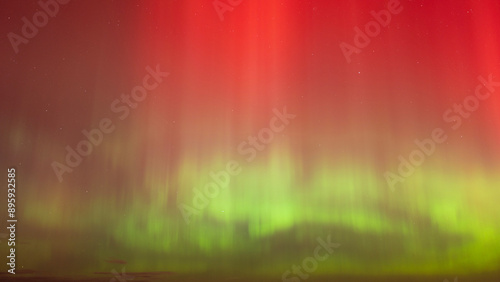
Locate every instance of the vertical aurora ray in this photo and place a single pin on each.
(322, 175)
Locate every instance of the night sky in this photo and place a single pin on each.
(225, 140)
